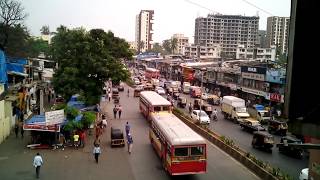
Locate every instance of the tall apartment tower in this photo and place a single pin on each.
(227, 30)
(182, 42)
(144, 31)
(277, 32)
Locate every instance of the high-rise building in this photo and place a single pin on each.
(144, 31)
(182, 42)
(227, 30)
(277, 32)
(262, 36)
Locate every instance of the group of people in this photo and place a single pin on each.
(117, 109)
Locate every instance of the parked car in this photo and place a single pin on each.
(160, 90)
(304, 174)
(200, 116)
(290, 150)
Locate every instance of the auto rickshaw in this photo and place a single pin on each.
(277, 127)
(182, 102)
(207, 108)
(115, 93)
(262, 140)
(116, 100)
(196, 104)
(290, 150)
(117, 138)
(213, 100)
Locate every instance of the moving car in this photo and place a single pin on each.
(251, 125)
(160, 90)
(121, 87)
(200, 116)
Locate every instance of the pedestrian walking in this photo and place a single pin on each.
(109, 96)
(37, 163)
(130, 143)
(127, 128)
(190, 108)
(16, 130)
(119, 111)
(76, 140)
(128, 92)
(115, 109)
(21, 131)
(96, 152)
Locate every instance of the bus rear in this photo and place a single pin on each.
(188, 159)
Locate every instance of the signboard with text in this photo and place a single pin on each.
(54, 117)
(42, 127)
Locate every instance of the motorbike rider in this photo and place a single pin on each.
(215, 114)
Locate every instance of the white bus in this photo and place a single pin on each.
(151, 101)
(181, 150)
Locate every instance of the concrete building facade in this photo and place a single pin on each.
(262, 54)
(227, 30)
(277, 32)
(144, 30)
(202, 52)
(182, 42)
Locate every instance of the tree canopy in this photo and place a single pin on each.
(86, 60)
(11, 16)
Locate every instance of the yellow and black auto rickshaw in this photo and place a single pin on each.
(262, 140)
(277, 127)
(182, 102)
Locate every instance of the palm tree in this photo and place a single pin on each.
(174, 44)
(140, 46)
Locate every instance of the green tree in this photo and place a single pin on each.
(173, 45)
(45, 30)
(37, 46)
(86, 60)
(166, 44)
(11, 16)
(140, 46)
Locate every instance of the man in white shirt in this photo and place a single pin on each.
(37, 163)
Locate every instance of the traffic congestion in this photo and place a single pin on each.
(252, 128)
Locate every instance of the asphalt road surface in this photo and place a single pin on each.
(243, 139)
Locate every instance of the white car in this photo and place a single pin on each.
(160, 90)
(304, 174)
(137, 82)
(200, 116)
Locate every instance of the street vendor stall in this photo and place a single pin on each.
(43, 135)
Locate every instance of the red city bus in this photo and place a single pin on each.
(152, 73)
(181, 150)
(151, 101)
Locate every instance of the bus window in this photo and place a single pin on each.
(197, 151)
(165, 108)
(181, 151)
(157, 108)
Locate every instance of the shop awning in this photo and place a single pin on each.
(17, 73)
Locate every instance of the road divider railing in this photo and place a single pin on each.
(260, 168)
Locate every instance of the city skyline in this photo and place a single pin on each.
(179, 15)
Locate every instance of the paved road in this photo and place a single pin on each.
(243, 139)
(115, 163)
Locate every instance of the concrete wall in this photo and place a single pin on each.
(6, 119)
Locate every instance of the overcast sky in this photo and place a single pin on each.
(171, 16)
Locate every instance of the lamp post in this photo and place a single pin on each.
(202, 70)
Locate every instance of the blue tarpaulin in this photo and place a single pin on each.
(3, 69)
(75, 103)
(36, 119)
(259, 107)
